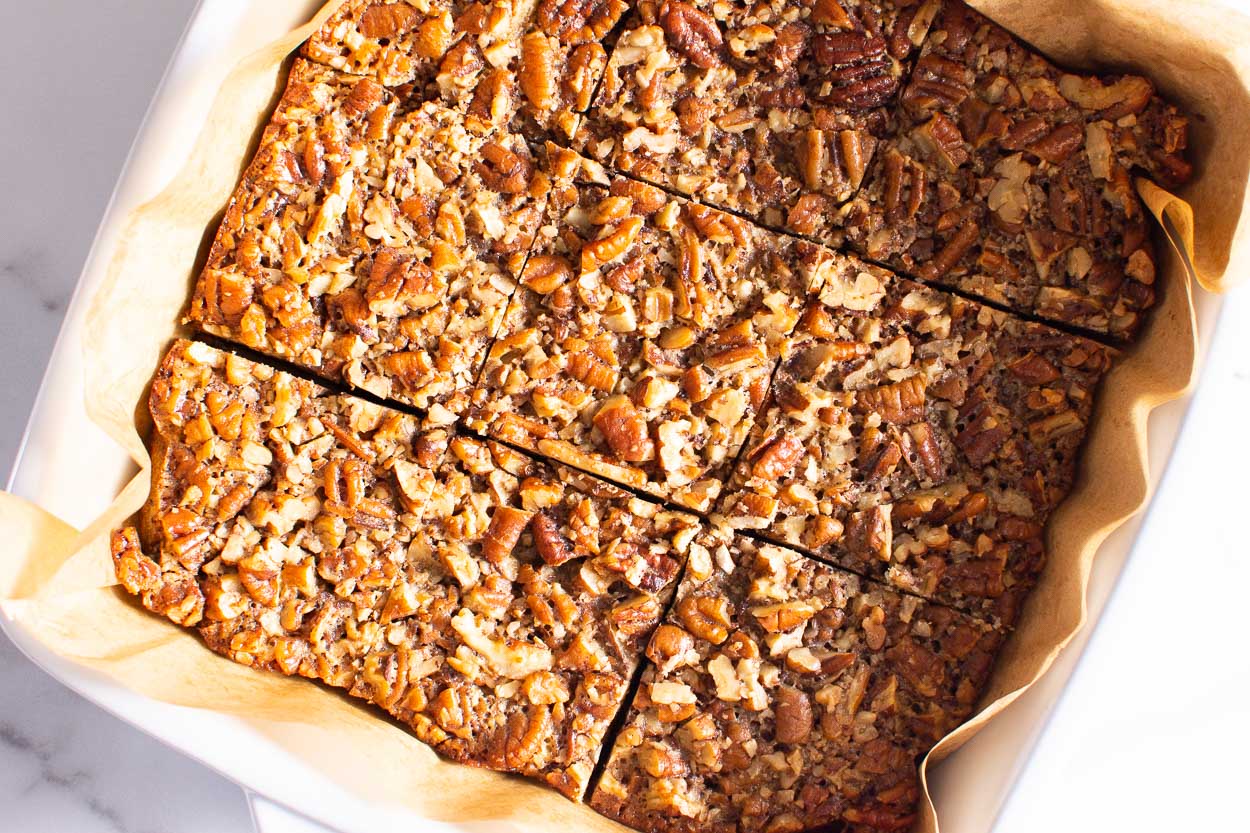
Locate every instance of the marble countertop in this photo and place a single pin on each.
(67, 766)
(76, 85)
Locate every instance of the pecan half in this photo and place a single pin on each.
(503, 170)
(794, 715)
(778, 458)
(694, 33)
(386, 20)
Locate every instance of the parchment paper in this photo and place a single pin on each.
(57, 582)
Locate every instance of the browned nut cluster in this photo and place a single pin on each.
(372, 245)
(400, 42)
(768, 108)
(527, 66)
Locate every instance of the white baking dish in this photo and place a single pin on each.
(970, 788)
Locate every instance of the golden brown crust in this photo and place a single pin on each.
(150, 514)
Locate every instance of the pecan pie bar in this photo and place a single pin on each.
(1012, 179)
(920, 438)
(641, 341)
(550, 74)
(404, 42)
(530, 66)
(782, 694)
(768, 108)
(496, 605)
(328, 135)
(373, 246)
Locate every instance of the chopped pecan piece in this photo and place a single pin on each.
(505, 529)
(549, 541)
(625, 429)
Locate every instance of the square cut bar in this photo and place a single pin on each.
(495, 605)
(1013, 180)
(544, 82)
(640, 344)
(373, 246)
(297, 206)
(919, 438)
(771, 109)
(401, 43)
(529, 66)
(785, 695)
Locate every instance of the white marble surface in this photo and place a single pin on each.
(75, 84)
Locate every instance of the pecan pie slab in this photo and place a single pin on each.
(377, 250)
(919, 438)
(771, 109)
(783, 694)
(642, 339)
(496, 605)
(1012, 179)
(403, 232)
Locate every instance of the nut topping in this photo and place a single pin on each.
(402, 238)
(415, 227)
(1002, 165)
(767, 109)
